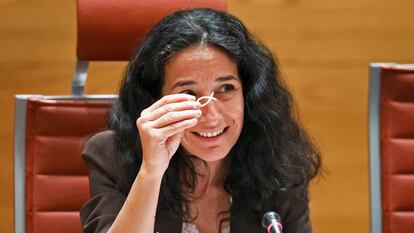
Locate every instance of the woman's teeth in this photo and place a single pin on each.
(210, 134)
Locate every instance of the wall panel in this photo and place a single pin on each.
(323, 46)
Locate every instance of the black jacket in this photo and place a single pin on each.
(100, 211)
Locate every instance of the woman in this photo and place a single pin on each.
(171, 164)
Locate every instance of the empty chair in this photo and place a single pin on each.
(391, 127)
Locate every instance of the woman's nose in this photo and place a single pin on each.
(211, 112)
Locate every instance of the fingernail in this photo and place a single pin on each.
(196, 104)
(198, 113)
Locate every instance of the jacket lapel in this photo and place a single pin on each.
(244, 223)
(240, 222)
(165, 222)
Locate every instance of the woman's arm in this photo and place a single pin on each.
(160, 127)
(138, 212)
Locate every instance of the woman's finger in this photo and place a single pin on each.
(175, 117)
(177, 128)
(168, 99)
(172, 107)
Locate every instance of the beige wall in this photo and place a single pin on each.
(324, 48)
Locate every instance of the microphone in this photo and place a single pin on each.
(271, 222)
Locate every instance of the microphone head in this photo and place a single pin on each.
(269, 217)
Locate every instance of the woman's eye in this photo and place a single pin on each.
(189, 92)
(226, 88)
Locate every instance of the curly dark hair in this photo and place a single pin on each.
(273, 153)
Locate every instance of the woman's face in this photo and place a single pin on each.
(201, 70)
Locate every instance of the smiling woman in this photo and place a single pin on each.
(170, 164)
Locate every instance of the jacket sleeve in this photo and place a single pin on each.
(296, 219)
(100, 211)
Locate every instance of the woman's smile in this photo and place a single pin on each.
(210, 134)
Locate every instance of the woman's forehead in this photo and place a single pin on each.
(199, 64)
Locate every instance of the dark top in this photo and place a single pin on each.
(100, 211)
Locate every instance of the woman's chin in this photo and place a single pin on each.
(210, 155)
(212, 158)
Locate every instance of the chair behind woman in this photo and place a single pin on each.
(392, 148)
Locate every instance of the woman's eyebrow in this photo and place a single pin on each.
(227, 78)
(183, 83)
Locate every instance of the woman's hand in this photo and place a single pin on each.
(161, 127)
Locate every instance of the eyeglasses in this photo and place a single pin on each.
(209, 98)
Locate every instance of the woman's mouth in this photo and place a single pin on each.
(210, 134)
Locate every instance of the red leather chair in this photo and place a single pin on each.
(51, 181)
(392, 148)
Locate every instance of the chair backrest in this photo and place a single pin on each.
(392, 148)
(118, 25)
(111, 29)
(51, 180)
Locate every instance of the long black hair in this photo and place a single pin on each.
(273, 153)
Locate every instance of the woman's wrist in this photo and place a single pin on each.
(151, 171)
